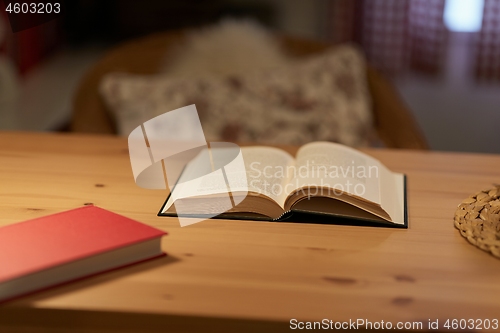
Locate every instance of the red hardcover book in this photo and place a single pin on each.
(59, 248)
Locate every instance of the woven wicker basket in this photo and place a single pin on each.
(478, 219)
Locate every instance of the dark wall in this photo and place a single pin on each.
(112, 20)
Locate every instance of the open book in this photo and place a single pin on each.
(324, 183)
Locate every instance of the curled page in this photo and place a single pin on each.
(170, 151)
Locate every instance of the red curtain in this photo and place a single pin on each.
(487, 55)
(29, 47)
(396, 35)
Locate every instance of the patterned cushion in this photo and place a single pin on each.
(320, 98)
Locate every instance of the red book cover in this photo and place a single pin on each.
(73, 236)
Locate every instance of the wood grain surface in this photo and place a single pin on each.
(244, 275)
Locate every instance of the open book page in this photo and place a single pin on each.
(199, 177)
(331, 165)
(189, 184)
(343, 169)
(261, 174)
(392, 194)
(268, 171)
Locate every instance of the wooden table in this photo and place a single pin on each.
(243, 276)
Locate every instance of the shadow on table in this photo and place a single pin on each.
(93, 280)
(57, 320)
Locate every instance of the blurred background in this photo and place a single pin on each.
(443, 56)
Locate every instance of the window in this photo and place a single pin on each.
(463, 15)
